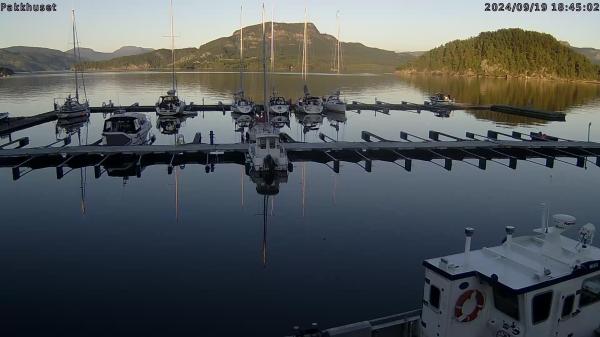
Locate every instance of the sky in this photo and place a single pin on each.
(400, 25)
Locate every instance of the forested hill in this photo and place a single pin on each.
(507, 52)
(223, 53)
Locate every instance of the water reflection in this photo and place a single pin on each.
(170, 125)
(539, 94)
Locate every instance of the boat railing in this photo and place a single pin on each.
(406, 324)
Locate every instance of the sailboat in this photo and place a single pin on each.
(267, 155)
(72, 108)
(241, 104)
(170, 104)
(333, 102)
(308, 104)
(278, 105)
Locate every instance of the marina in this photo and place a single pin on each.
(290, 177)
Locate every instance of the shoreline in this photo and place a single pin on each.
(508, 77)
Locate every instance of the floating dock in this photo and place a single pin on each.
(473, 149)
(19, 123)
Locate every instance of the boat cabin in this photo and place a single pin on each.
(267, 153)
(169, 101)
(278, 101)
(539, 285)
(122, 124)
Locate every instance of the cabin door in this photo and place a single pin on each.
(567, 311)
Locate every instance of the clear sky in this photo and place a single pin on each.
(401, 25)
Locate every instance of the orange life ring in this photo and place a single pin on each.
(458, 309)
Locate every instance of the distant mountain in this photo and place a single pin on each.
(223, 53)
(26, 59)
(591, 53)
(34, 59)
(89, 54)
(507, 52)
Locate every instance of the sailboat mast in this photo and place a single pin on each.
(304, 53)
(75, 55)
(338, 50)
(172, 48)
(273, 40)
(264, 38)
(241, 51)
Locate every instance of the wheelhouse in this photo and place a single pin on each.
(128, 125)
(540, 285)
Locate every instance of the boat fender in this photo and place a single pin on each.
(464, 297)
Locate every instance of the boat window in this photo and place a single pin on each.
(434, 296)
(272, 143)
(540, 307)
(107, 125)
(262, 143)
(567, 308)
(506, 302)
(590, 291)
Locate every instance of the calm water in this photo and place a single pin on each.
(131, 260)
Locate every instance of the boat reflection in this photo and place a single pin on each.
(267, 185)
(309, 122)
(170, 125)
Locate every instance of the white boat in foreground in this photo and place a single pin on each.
(544, 284)
(334, 103)
(128, 128)
(267, 154)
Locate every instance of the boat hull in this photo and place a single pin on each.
(279, 109)
(335, 107)
(170, 112)
(73, 114)
(312, 109)
(242, 109)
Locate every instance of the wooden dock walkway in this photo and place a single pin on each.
(20, 123)
(482, 149)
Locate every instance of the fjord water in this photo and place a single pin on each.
(132, 259)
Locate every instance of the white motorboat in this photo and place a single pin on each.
(543, 284)
(441, 99)
(278, 105)
(334, 103)
(267, 153)
(72, 107)
(170, 104)
(128, 128)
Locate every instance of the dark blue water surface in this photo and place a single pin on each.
(154, 256)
